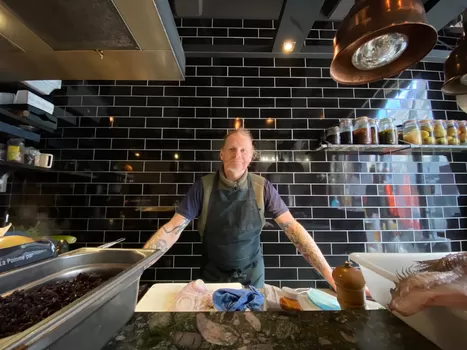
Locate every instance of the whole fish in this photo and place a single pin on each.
(440, 282)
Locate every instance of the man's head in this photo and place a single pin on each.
(237, 153)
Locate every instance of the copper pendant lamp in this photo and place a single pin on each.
(455, 68)
(379, 39)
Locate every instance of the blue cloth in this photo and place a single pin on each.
(238, 299)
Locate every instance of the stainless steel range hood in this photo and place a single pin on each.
(89, 39)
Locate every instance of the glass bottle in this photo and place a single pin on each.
(439, 127)
(427, 132)
(453, 132)
(15, 150)
(374, 131)
(346, 131)
(462, 131)
(333, 136)
(388, 132)
(362, 132)
(412, 132)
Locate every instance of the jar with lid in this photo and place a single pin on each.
(462, 124)
(346, 131)
(333, 135)
(452, 132)
(15, 150)
(362, 132)
(374, 131)
(427, 132)
(412, 132)
(439, 127)
(388, 132)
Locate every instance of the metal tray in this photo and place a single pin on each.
(92, 320)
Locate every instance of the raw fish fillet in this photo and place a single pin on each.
(194, 297)
(441, 282)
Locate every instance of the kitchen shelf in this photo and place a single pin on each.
(29, 115)
(6, 166)
(18, 132)
(388, 149)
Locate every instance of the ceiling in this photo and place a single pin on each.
(295, 18)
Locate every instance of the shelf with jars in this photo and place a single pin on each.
(383, 137)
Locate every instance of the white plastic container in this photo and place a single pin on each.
(44, 87)
(27, 97)
(445, 327)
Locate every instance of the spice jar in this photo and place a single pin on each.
(462, 124)
(350, 286)
(361, 132)
(439, 127)
(388, 132)
(453, 132)
(333, 136)
(412, 132)
(346, 131)
(15, 150)
(374, 131)
(427, 132)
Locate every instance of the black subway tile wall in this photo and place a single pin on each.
(146, 142)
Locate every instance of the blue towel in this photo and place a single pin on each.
(238, 299)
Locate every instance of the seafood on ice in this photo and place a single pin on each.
(194, 297)
(440, 282)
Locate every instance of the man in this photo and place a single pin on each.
(231, 205)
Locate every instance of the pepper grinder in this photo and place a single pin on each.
(350, 286)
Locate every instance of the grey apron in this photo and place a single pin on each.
(231, 239)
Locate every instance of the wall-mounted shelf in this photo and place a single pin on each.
(30, 115)
(6, 167)
(388, 149)
(15, 131)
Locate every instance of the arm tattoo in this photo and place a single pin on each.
(306, 246)
(177, 229)
(161, 244)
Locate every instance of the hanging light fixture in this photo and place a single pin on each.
(379, 39)
(455, 68)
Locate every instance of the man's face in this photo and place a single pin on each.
(237, 153)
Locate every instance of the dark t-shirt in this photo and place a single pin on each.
(191, 204)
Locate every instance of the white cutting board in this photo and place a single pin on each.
(161, 296)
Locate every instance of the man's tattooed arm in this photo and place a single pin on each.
(168, 234)
(305, 245)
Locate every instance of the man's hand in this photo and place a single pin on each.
(168, 234)
(306, 245)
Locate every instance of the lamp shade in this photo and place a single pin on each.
(455, 68)
(379, 39)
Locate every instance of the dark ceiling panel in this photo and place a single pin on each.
(60, 23)
(7, 47)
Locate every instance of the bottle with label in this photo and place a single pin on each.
(15, 150)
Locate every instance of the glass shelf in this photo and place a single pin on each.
(388, 149)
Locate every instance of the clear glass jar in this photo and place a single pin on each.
(412, 132)
(427, 131)
(439, 127)
(362, 132)
(374, 131)
(453, 132)
(15, 150)
(346, 131)
(333, 136)
(387, 132)
(462, 124)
